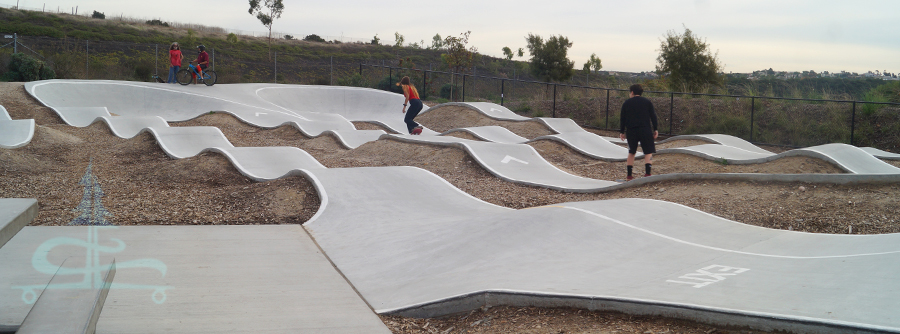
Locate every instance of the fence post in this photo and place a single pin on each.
(502, 89)
(156, 61)
(752, 109)
(852, 123)
(554, 101)
(332, 71)
(213, 59)
(390, 78)
(607, 108)
(671, 113)
(464, 89)
(276, 66)
(87, 59)
(360, 69)
(425, 81)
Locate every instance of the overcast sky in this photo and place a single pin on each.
(786, 35)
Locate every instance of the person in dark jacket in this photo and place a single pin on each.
(638, 124)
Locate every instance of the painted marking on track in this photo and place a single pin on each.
(709, 275)
(93, 215)
(507, 159)
(260, 113)
(496, 110)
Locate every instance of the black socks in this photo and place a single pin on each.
(629, 167)
(647, 168)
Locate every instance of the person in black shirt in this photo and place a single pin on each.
(639, 125)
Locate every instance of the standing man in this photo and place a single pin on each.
(638, 124)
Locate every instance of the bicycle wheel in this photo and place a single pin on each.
(209, 77)
(183, 76)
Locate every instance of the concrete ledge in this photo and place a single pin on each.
(15, 213)
(714, 316)
(62, 311)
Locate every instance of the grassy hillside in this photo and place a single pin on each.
(123, 49)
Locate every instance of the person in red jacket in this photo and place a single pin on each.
(175, 60)
(412, 98)
(202, 60)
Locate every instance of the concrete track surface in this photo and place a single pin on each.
(412, 244)
(14, 133)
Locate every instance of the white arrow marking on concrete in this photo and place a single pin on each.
(497, 110)
(507, 159)
(260, 113)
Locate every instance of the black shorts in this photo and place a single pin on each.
(644, 135)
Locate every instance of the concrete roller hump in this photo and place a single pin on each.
(518, 163)
(646, 256)
(14, 133)
(493, 133)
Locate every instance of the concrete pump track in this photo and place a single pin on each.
(411, 244)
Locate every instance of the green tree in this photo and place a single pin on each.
(375, 40)
(549, 60)
(231, 38)
(267, 11)
(191, 37)
(520, 52)
(437, 42)
(687, 62)
(508, 53)
(458, 57)
(98, 15)
(398, 39)
(593, 63)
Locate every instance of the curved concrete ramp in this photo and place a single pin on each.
(80, 102)
(491, 110)
(561, 125)
(353, 103)
(493, 133)
(516, 163)
(721, 139)
(880, 153)
(650, 257)
(14, 133)
(590, 144)
(849, 158)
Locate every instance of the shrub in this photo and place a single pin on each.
(389, 84)
(25, 68)
(98, 15)
(354, 80)
(288, 37)
(231, 38)
(522, 109)
(157, 22)
(143, 71)
(446, 88)
(314, 38)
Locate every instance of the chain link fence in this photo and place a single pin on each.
(763, 120)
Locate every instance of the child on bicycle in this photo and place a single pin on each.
(202, 61)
